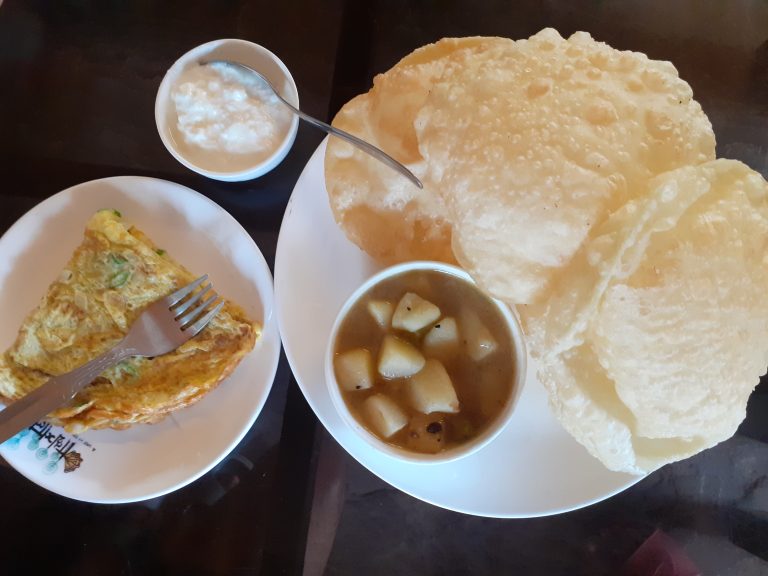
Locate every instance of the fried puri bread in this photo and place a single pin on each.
(114, 273)
(370, 201)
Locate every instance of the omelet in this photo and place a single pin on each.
(114, 273)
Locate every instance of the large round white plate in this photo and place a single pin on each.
(533, 468)
(151, 459)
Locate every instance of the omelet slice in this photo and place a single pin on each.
(111, 277)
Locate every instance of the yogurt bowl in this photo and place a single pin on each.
(217, 120)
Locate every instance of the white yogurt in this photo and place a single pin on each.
(221, 109)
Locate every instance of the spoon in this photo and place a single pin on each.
(362, 144)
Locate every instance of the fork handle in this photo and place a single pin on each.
(57, 391)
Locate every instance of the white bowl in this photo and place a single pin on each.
(515, 331)
(246, 53)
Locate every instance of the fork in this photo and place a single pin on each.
(162, 327)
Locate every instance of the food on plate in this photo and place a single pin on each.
(378, 209)
(578, 183)
(226, 116)
(383, 414)
(414, 313)
(523, 148)
(114, 273)
(381, 311)
(442, 339)
(532, 145)
(398, 358)
(652, 349)
(354, 369)
(416, 384)
(431, 390)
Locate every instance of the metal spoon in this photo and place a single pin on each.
(362, 144)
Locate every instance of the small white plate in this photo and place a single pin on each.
(151, 459)
(533, 468)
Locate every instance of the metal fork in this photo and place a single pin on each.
(162, 327)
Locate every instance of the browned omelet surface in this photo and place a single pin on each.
(111, 277)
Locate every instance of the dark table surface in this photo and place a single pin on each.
(76, 103)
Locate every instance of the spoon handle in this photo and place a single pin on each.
(360, 143)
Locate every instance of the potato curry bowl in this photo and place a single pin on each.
(423, 365)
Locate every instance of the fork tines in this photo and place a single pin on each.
(188, 313)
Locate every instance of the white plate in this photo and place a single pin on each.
(533, 468)
(151, 459)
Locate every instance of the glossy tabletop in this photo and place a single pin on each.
(78, 86)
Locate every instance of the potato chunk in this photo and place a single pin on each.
(354, 369)
(381, 310)
(398, 358)
(414, 313)
(477, 338)
(384, 415)
(431, 390)
(442, 339)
